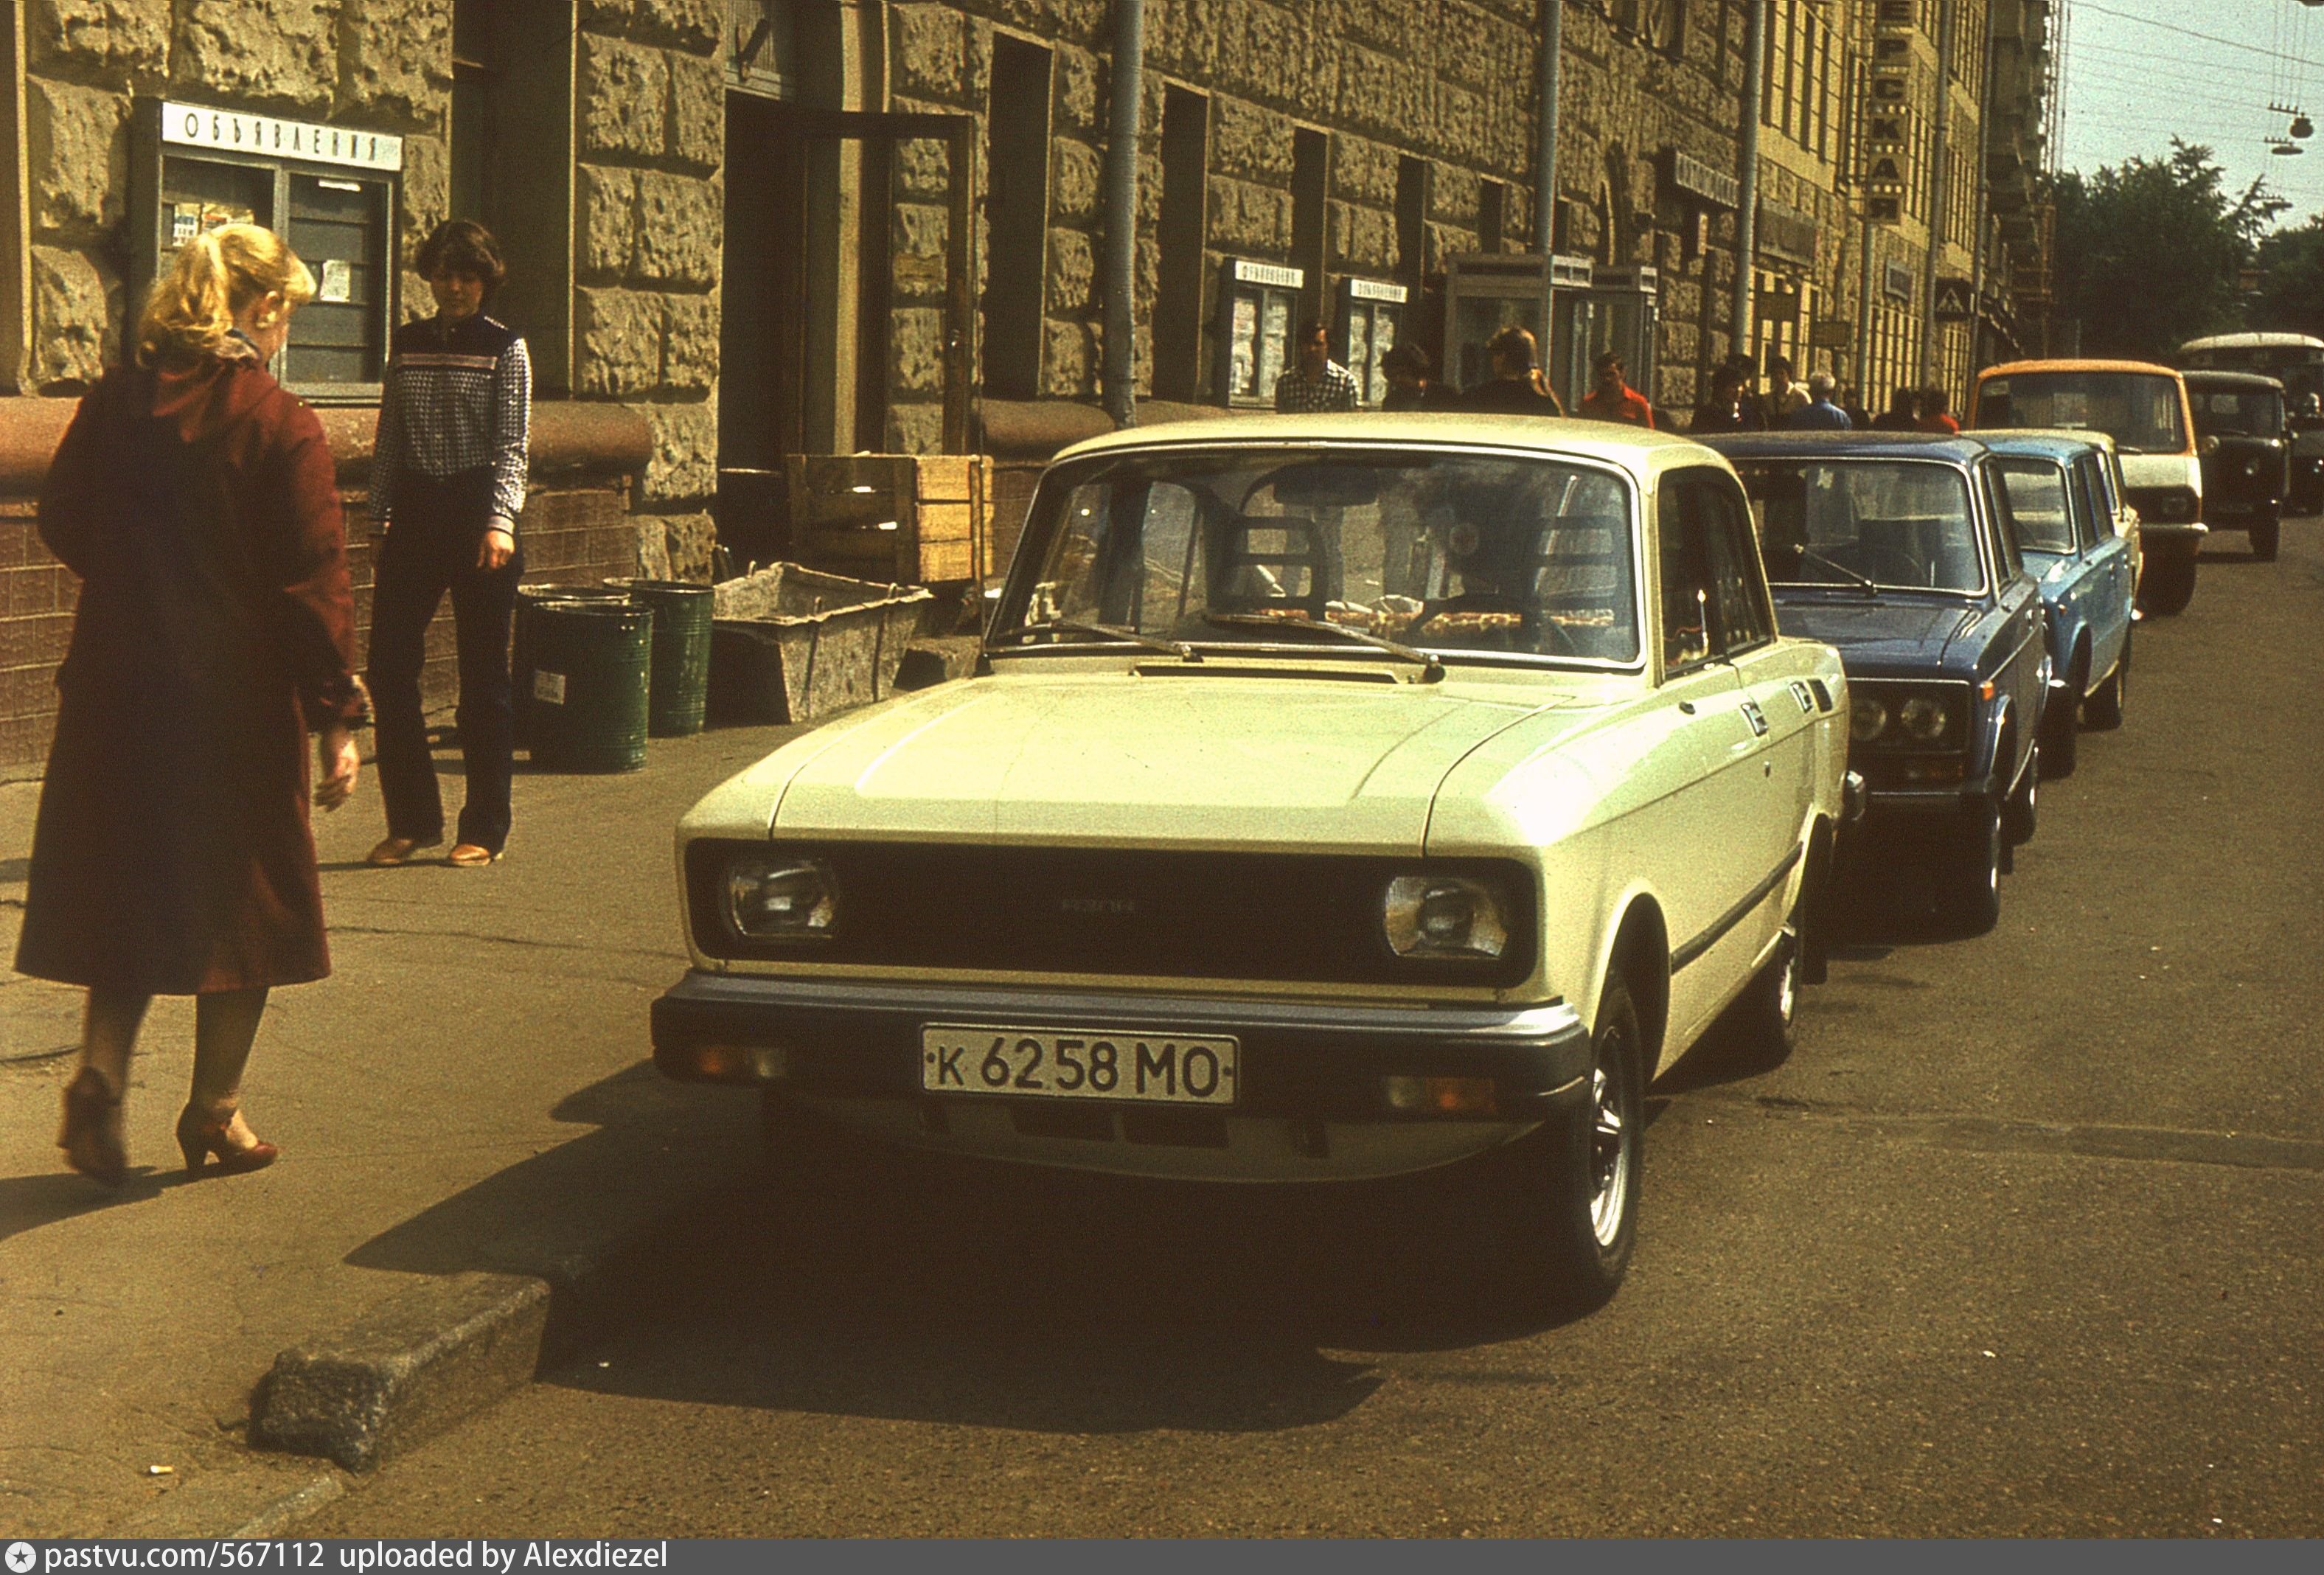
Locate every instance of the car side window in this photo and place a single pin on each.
(2004, 524)
(1687, 590)
(2093, 520)
(1747, 619)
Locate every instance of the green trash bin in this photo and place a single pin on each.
(591, 669)
(681, 654)
(529, 598)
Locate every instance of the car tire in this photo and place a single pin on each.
(2264, 533)
(1566, 1196)
(2104, 709)
(2168, 585)
(1968, 872)
(2021, 815)
(2062, 719)
(1767, 1015)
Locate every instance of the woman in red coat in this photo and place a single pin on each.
(173, 855)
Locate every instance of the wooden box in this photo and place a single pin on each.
(912, 518)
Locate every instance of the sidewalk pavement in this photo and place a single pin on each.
(470, 1091)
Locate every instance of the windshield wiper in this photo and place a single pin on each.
(1840, 568)
(1426, 660)
(1176, 647)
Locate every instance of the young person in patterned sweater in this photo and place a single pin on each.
(447, 484)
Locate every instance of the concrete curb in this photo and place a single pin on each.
(424, 1360)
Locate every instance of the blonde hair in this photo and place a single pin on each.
(218, 274)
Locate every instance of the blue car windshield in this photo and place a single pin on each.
(1901, 523)
(2037, 501)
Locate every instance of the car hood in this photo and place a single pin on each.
(1313, 763)
(1906, 631)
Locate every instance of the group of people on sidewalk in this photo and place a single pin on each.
(196, 501)
(1314, 382)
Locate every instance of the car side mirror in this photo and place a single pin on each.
(2208, 446)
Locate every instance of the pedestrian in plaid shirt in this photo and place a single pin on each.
(1318, 383)
(448, 471)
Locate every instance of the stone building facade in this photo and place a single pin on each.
(770, 227)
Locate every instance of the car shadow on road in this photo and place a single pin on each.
(902, 1284)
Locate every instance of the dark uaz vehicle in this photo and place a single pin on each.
(2241, 432)
(1898, 550)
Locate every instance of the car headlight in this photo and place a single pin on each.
(1448, 917)
(1868, 718)
(774, 899)
(1924, 720)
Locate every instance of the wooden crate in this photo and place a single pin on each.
(914, 520)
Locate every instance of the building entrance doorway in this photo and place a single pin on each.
(847, 299)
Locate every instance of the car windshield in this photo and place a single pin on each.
(2037, 501)
(1844, 522)
(1442, 549)
(2139, 410)
(2237, 413)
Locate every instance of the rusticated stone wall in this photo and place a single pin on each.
(383, 65)
(1451, 81)
(649, 219)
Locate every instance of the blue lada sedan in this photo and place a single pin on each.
(1897, 549)
(2057, 491)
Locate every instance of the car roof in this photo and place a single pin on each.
(1632, 448)
(2268, 341)
(1845, 446)
(2091, 438)
(2074, 364)
(2035, 445)
(2205, 378)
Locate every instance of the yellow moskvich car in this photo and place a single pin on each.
(1337, 797)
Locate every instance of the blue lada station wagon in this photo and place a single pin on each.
(1898, 550)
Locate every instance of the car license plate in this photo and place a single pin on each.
(1078, 1063)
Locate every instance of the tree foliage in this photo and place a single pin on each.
(2149, 251)
(2290, 298)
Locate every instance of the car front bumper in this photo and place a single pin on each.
(1311, 1101)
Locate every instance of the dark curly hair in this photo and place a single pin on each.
(462, 246)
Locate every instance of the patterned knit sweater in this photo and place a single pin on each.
(457, 397)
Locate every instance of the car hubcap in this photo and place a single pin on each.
(1609, 1155)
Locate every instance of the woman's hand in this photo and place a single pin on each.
(497, 548)
(334, 752)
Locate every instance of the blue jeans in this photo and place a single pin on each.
(431, 549)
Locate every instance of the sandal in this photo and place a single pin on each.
(398, 850)
(471, 855)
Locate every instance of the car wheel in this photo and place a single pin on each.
(2168, 585)
(1769, 1018)
(2022, 815)
(2062, 718)
(1968, 872)
(2263, 531)
(1568, 1195)
(2104, 709)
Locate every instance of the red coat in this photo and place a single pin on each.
(172, 854)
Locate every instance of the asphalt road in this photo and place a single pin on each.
(2026, 1237)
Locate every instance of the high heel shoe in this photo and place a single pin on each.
(91, 1135)
(199, 1138)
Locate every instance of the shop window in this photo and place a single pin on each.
(1017, 217)
(1178, 306)
(1311, 164)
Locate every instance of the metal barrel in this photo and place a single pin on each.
(590, 671)
(681, 654)
(529, 598)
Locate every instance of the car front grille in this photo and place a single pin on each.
(1072, 910)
